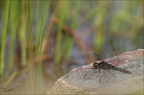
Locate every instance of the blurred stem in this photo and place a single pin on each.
(69, 41)
(13, 28)
(58, 44)
(22, 33)
(3, 36)
(99, 21)
(30, 46)
(39, 34)
(42, 9)
(58, 49)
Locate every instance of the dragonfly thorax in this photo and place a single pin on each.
(102, 65)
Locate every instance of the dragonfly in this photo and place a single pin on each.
(105, 66)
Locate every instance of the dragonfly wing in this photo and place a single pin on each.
(93, 73)
(107, 76)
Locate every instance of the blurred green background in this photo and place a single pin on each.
(42, 40)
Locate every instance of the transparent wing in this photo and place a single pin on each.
(107, 76)
(91, 73)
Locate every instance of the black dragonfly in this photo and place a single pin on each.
(105, 66)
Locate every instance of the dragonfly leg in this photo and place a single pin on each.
(111, 73)
(84, 75)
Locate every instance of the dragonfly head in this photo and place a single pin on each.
(95, 65)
